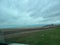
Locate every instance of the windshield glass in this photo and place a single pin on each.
(32, 22)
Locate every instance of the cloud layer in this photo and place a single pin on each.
(29, 12)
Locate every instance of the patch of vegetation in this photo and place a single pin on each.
(46, 37)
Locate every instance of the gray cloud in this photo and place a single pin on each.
(29, 12)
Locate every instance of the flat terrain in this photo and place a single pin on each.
(45, 37)
(11, 32)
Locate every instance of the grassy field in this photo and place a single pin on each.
(46, 37)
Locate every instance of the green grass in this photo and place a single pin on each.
(46, 37)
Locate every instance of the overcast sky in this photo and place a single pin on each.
(29, 12)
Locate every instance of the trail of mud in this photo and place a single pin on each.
(19, 33)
